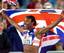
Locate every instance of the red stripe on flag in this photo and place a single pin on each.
(50, 18)
(62, 27)
(51, 37)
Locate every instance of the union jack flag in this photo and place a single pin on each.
(44, 17)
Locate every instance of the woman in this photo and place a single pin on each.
(29, 25)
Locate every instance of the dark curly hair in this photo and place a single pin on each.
(32, 19)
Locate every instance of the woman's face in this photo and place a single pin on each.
(5, 6)
(28, 23)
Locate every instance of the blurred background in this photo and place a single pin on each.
(34, 4)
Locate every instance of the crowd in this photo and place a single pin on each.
(11, 40)
(36, 4)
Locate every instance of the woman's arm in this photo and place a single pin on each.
(12, 22)
(44, 30)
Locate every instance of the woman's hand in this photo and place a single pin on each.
(30, 49)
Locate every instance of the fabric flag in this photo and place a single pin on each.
(44, 17)
(41, 16)
(50, 43)
(60, 30)
(49, 40)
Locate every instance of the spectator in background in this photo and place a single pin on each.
(43, 4)
(4, 41)
(40, 4)
(48, 5)
(6, 3)
(31, 5)
(14, 40)
(60, 4)
(37, 4)
(12, 6)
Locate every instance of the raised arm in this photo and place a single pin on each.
(44, 30)
(12, 22)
